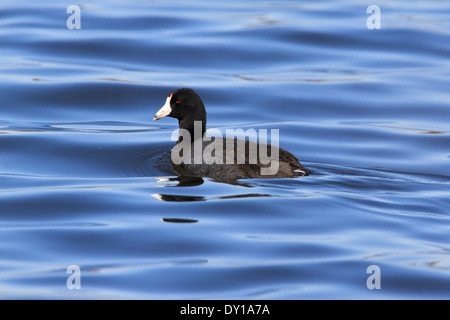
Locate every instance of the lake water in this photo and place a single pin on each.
(86, 178)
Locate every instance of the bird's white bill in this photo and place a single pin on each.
(164, 111)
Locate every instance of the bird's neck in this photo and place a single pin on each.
(196, 129)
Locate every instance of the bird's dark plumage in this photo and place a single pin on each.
(187, 106)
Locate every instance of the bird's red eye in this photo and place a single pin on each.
(178, 101)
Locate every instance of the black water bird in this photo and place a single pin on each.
(230, 160)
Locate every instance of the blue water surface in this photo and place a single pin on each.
(86, 177)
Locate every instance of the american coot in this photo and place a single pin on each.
(195, 154)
